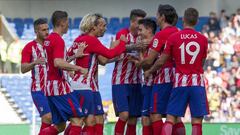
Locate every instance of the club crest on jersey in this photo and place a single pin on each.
(46, 43)
(155, 43)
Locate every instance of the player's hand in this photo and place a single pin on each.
(81, 48)
(147, 74)
(84, 71)
(39, 61)
(123, 38)
(113, 44)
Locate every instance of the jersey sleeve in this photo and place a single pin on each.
(26, 54)
(58, 48)
(70, 50)
(168, 46)
(118, 35)
(98, 48)
(157, 44)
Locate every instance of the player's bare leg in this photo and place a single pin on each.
(120, 125)
(197, 126)
(157, 123)
(76, 125)
(99, 126)
(46, 121)
(178, 127)
(89, 122)
(131, 126)
(146, 125)
(168, 125)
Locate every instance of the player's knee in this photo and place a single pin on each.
(90, 120)
(61, 127)
(47, 118)
(99, 119)
(155, 117)
(76, 121)
(196, 120)
(124, 116)
(145, 121)
(132, 120)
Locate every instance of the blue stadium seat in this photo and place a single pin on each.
(76, 22)
(19, 25)
(28, 22)
(125, 22)
(70, 23)
(9, 19)
(114, 25)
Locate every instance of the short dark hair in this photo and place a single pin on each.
(148, 23)
(168, 11)
(175, 20)
(39, 22)
(191, 16)
(98, 16)
(58, 16)
(137, 13)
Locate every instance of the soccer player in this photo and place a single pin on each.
(86, 86)
(126, 81)
(162, 88)
(188, 48)
(62, 103)
(146, 31)
(34, 59)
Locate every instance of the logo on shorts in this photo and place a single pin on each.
(155, 43)
(86, 111)
(99, 107)
(41, 109)
(80, 109)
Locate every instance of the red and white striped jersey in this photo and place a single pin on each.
(57, 79)
(182, 80)
(31, 52)
(188, 48)
(126, 72)
(94, 48)
(166, 73)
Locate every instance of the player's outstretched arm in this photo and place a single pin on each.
(25, 67)
(148, 61)
(157, 65)
(62, 64)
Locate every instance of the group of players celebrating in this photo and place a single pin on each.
(171, 61)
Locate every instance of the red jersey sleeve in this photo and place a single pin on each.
(168, 46)
(157, 44)
(26, 54)
(98, 48)
(58, 48)
(122, 32)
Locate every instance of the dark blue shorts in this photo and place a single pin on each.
(146, 92)
(98, 106)
(127, 97)
(160, 96)
(41, 102)
(64, 107)
(194, 96)
(85, 99)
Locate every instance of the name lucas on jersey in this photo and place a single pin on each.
(188, 36)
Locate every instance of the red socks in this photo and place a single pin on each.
(44, 125)
(197, 129)
(157, 127)
(51, 130)
(67, 130)
(119, 127)
(99, 129)
(75, 130)
(179, 129)
(167, 128)
(131, 129)
(147, 130)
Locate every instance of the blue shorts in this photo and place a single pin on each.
(160, 96)
(85, 99)
(98, 106)
(194, 96)
(64, 107)
(127, 97)
(41, 102)
(146, 92)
